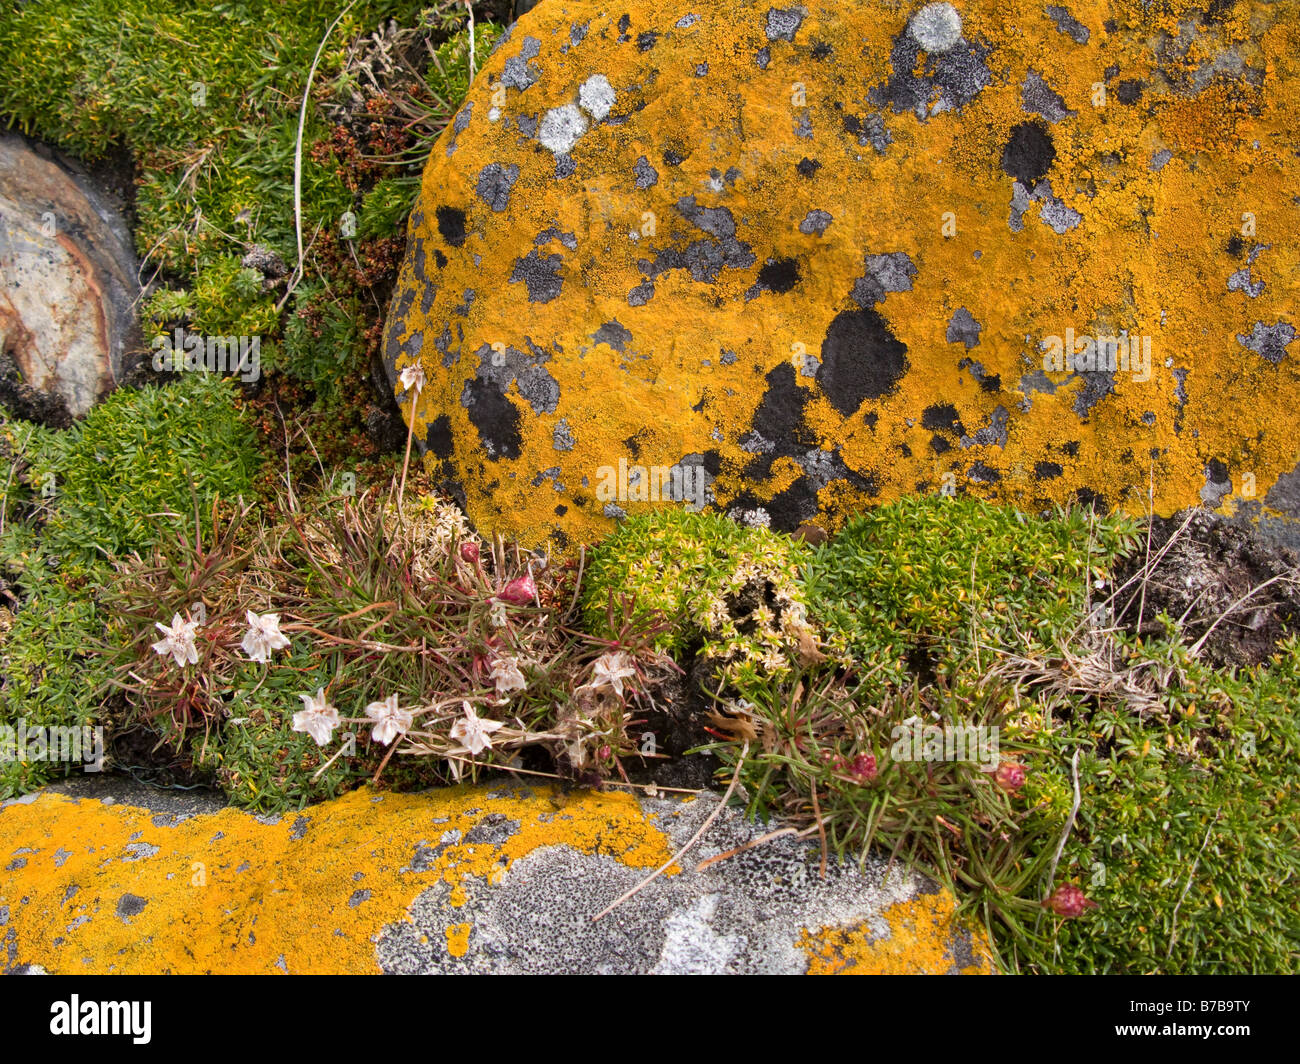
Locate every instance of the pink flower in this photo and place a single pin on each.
(1068, 901)
(863, 768)
(317, 718)
(473, 732)
(390, 721)
(1010, 776)
(522, 591)
(178, 640)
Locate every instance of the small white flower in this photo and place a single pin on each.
(263, 636)
(499, 619)
(508, 678)
(178, 640)
(318, 718)
(473, 732)
(611, 670)
(390, 722)
(412, 377)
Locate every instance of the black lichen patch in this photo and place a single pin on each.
(451, 224)
(439, 439)
(939, 444)
(1236, 246)
(647, 40)
(983, 474)
(673, 158)
(861, 359)
(807, 167)
(1028, 154)
(1129, 91)
(942, 417)
(777, 276)
(778, 422)
(540, 274)
(495, 417)
(1047, 470)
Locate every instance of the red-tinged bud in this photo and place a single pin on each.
(1010, 776)
(604, 753)
(863, 768)
(469, 552)
(1068, 901)
(521, 591)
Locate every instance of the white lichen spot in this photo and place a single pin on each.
(597, 96)
(494, 115)
(561, 128)
(936, 27)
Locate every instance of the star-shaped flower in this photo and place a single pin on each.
(611, 670)
(317, 718)
(178, 640)
(508, 678)
(263, 636)
(390, 722)
(473, 732)
(412, 377)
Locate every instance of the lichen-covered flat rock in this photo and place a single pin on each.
(789, 260)
(460, 880)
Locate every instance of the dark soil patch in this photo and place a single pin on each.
(1208, 568)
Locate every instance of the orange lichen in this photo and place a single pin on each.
(86, 892)
(1147, 257)
(921, 939)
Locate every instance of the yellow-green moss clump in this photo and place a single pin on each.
(789, 261)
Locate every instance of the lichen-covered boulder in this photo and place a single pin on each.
(461, 880)
(787, 261)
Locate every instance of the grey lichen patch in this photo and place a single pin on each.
(562, 438)
(597, 97)
(891, 272)
(1067, 24)
(782, 25)
(1052, 212)
(1218, 483)
(459, 124)
(645, 174)
(746, 915)
(936, 27)
(613, 334)
(1038, 97)
(527, 370)
(963, 328)
(1160, 159)
(129, 905)
(993, 434)
(815, 223)
(494, 184)
(518, 72)
(541, 274)
(561, 128)
(1268, 341)
(1241, 280)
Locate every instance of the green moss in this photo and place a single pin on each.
(140, 463)
(933, 574)
(731, 592)
(1188, 835)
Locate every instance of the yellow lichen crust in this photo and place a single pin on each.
(799, 260)
(100, 889)
(923, 938)
(463, 880)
